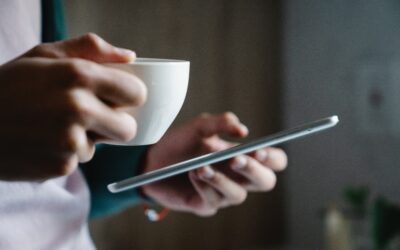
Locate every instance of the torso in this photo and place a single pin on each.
(19, 27)
(38, 215)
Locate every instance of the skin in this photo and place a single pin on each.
(56, 103)
(210, 188)
(63, 102)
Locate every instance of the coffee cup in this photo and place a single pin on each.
(167, 82)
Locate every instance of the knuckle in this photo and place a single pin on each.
(249, 167)
(67, 166)
(71, 139)
(78, 108)
(229, 117)
(92, 40)
(38, 50)
(42, 50)
(217, 179)
(91, 37)
(69, 144)
(203, 117)
(78, 70)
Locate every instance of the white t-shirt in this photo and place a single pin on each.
(38, 215)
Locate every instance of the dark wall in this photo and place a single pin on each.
(338, 56)
(234, 51)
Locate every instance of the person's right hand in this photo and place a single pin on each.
(56, 102)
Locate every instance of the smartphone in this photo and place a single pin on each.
(197, 162)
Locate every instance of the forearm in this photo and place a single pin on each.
(110, 164)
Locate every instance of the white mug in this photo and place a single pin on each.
(167, 82)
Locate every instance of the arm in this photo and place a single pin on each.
(112, 163)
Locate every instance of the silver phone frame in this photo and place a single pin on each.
(211, 158)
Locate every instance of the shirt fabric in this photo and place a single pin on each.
(20, 27)
(53, 214)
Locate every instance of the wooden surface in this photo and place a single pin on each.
(234, 51)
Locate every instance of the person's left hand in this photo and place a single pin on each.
(205, 190)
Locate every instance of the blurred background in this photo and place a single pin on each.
(276, 64)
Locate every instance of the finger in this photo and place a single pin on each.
(211, 200)
(274, 158)
(214, 144)
(84, 146)
(90, 47)
(260, 177)
(108, 123)
(114, 126)
(119, 87)
(233, 193)
(226, 123)
(111, 85)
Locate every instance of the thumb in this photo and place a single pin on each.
(90, 47)
(225, 123)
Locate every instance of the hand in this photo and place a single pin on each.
(210, 188)
(56, 103)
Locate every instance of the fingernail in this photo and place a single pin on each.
(239, 163)
(244, 129)
(128, 53)
(261, 155)
(207, 173)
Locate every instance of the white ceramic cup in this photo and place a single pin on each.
(167, 82)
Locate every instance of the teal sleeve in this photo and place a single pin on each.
(53, 21)
(110, 164)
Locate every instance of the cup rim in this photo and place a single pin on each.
(152, 61)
